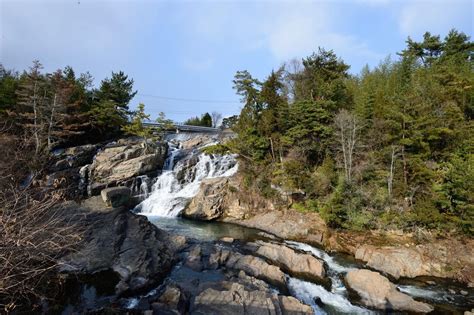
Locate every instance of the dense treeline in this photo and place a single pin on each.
(50, 110)
(59, 107)
(392, 147)
(204, 121)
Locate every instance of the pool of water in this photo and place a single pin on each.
(444, 295)
(205, 231)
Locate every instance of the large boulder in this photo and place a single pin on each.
(258, 268)
(139, 252)
(235, 298)
(378, 292)
(449, 258)
(208, 203)
(120, 163)
(296, 263)
(395, 261)
(116, 196)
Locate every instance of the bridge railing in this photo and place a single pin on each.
(183, 127)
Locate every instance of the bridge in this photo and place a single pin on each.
(182, 127)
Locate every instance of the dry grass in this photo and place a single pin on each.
(34, 233)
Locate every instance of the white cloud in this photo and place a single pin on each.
(79, 32)
(436, 16)
(296, 32)
(284, 29)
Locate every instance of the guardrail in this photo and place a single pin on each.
(183, 127)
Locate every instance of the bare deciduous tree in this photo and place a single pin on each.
(393, 157)
(34, 233)
(347, 133)
(216, 119)
(32, 104)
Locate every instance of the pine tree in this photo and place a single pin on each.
(136, 127)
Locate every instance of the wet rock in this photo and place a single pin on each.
(186, 171)
(171, 302)
(257, 268)
(464, 292)
(300, 264)
(208, 203)
(377, 291)
(116, 196)
(197, 141)
(139, 252)
(236, 299)
(193, 259)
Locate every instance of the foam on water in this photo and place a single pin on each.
(308, 293)
(180, 180)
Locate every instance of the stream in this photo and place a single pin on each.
(171, 191)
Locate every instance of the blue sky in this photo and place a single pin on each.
(192, 49)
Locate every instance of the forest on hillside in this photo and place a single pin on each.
(392, 147)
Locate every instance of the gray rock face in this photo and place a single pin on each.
(296, 263)
(214, 257)
(234, 298)
(208, 203)
(397, 262)
(258, 268)
(119, 164)
(116, 196)
(378, 292)
(140, 253)
(216, 279)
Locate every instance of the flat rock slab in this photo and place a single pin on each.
(239, 300)
(116, 196)
(378, 292)
(299, 264)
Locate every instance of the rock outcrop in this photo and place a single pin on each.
(296, 263)
(120, 163)
(208, 204)
(139, 252)
(257, 268)
(288, 224)
(217, 279)
(234, 298)
(116, 196)
(213, 257)
(65, 170)
(378, 292)
(444, 259)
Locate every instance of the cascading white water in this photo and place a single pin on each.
(182, 175)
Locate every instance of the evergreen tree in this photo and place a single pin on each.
(112, 100)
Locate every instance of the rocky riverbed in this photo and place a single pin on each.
(279, 261)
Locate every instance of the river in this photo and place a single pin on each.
(184, 171)
(171, 191)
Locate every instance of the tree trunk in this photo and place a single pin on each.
(51, 122)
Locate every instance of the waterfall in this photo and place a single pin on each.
(183, 172)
